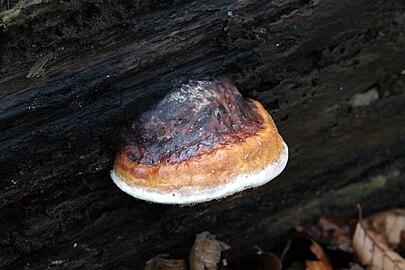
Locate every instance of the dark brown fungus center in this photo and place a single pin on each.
(192, 120)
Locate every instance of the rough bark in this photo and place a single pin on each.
(74, 73)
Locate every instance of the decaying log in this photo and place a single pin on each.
(73, 74)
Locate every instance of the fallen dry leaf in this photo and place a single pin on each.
(333, 223)
(390, 224)
(304, 253)
(206, 252)
(333, 232)
(355, 266)
(165, 264)
(401, 246)
(323, 261)
(317, 265)
(268, 260)
(374, 238)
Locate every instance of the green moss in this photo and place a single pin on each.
(7, 16)
(335, 110)
(353, 194)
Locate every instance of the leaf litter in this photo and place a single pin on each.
(332, 242)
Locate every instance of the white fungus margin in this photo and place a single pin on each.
(190, 195)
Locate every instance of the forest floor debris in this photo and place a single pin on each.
(332, 242)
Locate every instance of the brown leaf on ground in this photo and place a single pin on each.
(333, 223)
(268, 260)
(390, 224)
(206, 252)
(374, 238)
(323, 262)
(401, 246)
(354, 266)
(333, 232)
(165, 264)
(305, 253)
(317, 265)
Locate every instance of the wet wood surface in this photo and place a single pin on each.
(74, 74)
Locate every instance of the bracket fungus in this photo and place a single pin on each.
(203, 141)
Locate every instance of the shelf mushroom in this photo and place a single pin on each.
(203, 141)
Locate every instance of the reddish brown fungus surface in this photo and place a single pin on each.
(192, 120)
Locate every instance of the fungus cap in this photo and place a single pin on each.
(203, 141)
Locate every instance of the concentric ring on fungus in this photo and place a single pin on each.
(203, 141)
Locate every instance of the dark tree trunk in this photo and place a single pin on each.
(74, 73)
